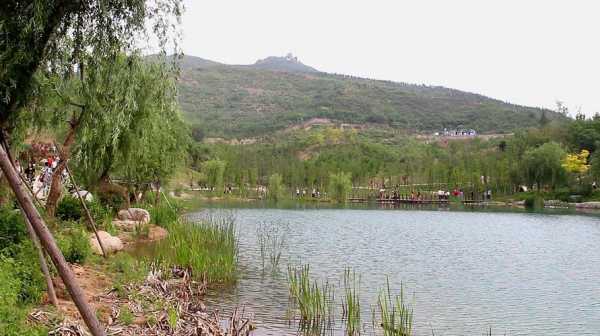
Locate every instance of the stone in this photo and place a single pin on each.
(111, 244)
(134, 214)
(87, 196)
(126, 224)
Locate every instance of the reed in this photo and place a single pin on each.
(314, 301)
(208, 247)
(351, 302)
(396, 316)
(272, 241)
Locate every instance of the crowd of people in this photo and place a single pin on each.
(38, 174)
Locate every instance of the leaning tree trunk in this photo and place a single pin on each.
(49, 244)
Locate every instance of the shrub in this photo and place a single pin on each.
(340, 185)
(13, 313)
(12, 229)
(75, 245)
(275, 187)
(534, 201)
(69, 209)
(112, 196)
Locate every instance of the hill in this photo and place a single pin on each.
(234, 101)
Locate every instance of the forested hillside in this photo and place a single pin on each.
(235, 101)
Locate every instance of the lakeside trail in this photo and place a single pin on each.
(167, 301)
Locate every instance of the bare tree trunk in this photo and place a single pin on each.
(49, 244)
(87, 211)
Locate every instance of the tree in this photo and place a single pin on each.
(340, 185)
(275, 187)
(543, 165)
(52, 33)
(214, 170)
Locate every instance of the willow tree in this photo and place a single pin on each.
(157, 140)
(48, 35)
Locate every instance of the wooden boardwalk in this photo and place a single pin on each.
(412, 201)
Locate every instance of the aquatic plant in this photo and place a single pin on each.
(314, 301)
(396, 316)
(271, 241)
(351, 302)
(208, 247)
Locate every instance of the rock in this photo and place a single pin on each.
(87, 196)
(125, 225)
(157, 233)
(134, 214)
(111, 244)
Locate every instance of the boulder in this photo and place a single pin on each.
(134, 214)
(126, 224)
(87, 196)
(111, 244)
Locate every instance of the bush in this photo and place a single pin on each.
(13, 311)
(69, 209)
(275, 192)
(12, 230)
(112, 196)
(340, 185)
(75, 245)
(534, 201)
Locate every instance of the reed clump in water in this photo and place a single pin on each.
(208, 247)
(351, 302)
(314, 301)
(272, 241)
(396, 315)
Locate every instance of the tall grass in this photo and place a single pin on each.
(209, 247)
(351, 302)
(314, 301)
(396, 316)
(271, 240)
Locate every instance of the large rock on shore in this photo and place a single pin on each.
(111, 244)
(134, 214)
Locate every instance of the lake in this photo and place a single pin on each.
(464, 271)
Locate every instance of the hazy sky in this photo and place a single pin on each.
(530, 52)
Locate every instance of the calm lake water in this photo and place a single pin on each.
(466, 271)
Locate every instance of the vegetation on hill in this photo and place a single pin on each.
(244, 101)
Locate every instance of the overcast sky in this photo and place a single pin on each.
(530, 52)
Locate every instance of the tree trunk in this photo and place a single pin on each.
(43, 264)
(87, 211)
(65, 153)
(47, 241)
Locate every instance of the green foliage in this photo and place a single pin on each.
(396, 315)
(69, 209)
(75, 245)
(340, 185)
(126, 317)
(12, 229)
(224, 100)
(208, 248)
(21, 283)
(314, 301)
(126, 270)
(163, 214)
(534, 201)
(276, 190)
(543, 165)
(214, 170)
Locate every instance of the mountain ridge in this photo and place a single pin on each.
(250, 100)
